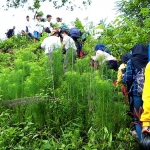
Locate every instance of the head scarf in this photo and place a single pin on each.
(140, 56)
(101, 47)
(126, 57)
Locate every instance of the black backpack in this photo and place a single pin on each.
(47, 30)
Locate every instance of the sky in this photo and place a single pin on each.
(99, 9)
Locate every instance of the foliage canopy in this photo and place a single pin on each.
(69, 4)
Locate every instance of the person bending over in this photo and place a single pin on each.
(70, 50)
(51, 43)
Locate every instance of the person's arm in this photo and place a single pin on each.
(59, 43)
(119, 76)
(95, 58)
(128, 76)
(64, 42)
(145, 117)
(43, 44)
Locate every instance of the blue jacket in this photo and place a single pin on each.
(130, 78)
(75, 32)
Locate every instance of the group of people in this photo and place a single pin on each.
(35, 27)
(134, 75)
(59, 35)
(134, 72)
(131, 71)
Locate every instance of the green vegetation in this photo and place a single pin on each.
(73, 110)
(44, 108)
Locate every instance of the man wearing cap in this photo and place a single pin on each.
(47, 24)
(51, 43)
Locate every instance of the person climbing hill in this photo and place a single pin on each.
(122, 67)
(145, 118)
(75, 33)
(138, 61)
(107, 57)
(51, 43)
(70, 50)
(47, 24)
(29, 29)
(10, 32)
(38, 28)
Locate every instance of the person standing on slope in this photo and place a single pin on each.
(29, 29)
(51, 43)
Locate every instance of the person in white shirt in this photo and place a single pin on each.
(51, 43)
(68, 42)
(71, 50)
(29, 29)
(104, 56)
(47, 25)
(38, 28)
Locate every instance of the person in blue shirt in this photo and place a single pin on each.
(138, 61)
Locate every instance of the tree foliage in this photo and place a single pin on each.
(134, 8)
(69, 4)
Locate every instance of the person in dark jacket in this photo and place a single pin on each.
(10, 32)
(75, 33)
(138, 61)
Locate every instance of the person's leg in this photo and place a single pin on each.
(30, 35)
(137, 103)
(38, 35)
(77, 45)
(35, 36)
(65, 66)
(69, 59)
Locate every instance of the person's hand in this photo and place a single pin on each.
(145, 130)
(122, 75)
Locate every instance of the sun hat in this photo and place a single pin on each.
(53, 32)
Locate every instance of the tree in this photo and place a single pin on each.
(69, 4)
(134, 9)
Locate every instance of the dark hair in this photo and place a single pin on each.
(42, 20)
(64, 31)
(145, 143)
(57, 32)
(37, 16)
(48, 16)
(27, 16)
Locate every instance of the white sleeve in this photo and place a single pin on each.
(98, 54)
(43, 44)
(59, 43)
(64, 40)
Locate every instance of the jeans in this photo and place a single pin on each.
(137, 103)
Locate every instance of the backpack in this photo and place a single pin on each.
(140, 78)
(47, 30)
(75, 32)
